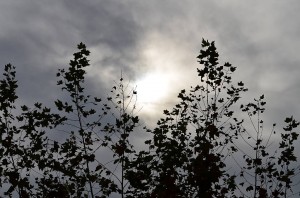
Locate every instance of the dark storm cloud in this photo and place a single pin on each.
(40, 36)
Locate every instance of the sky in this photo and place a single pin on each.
(154, 40)
(146, 40)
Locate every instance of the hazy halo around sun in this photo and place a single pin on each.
(157, 74)
(151, 88)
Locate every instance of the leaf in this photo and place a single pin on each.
(98, 167)
(249, 188)
(232, 69)
(240, 83)
(261, 97)
(288, 120)
(135, 119)
(97, 99)
(38, 105)
(24, 108)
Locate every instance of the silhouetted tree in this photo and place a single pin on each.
(191, 144)
(187, 155)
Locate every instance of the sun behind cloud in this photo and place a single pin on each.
(152, 88)
(160, 75)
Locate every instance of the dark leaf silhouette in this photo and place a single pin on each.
(189, 153)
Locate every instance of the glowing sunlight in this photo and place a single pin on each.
(160, 70)
(151, 88)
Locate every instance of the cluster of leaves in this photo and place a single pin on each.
(186, 155)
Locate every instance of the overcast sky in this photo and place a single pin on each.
(140, 38)
(155, 38)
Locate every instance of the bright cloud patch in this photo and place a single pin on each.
(151, 88)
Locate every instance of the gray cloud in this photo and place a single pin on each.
(259, 38)
(39, 36)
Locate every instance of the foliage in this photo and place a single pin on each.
(186, 156)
